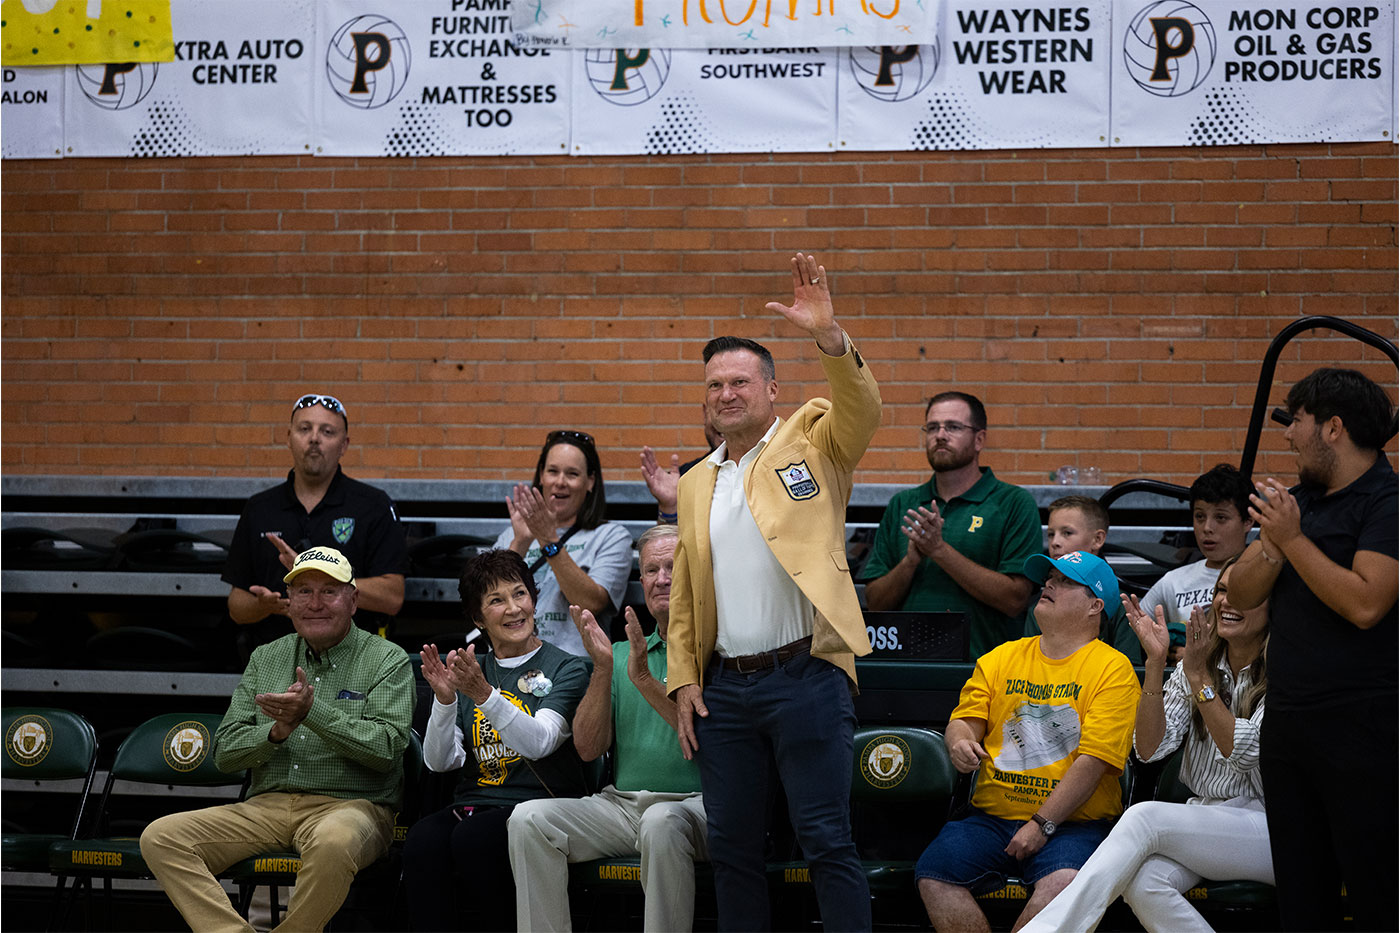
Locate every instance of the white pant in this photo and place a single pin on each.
(667, 830)
(1156, 853)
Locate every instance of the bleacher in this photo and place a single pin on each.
(113, 608)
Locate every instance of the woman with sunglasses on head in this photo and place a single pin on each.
(1214, 703)
(557, 524)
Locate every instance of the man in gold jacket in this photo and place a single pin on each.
(765, 623)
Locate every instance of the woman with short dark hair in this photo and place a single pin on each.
(506, 722)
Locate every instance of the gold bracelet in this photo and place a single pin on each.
(1273, 560)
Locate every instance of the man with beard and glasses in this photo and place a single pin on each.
(958, 542)
(317, 505)
(1326, 561)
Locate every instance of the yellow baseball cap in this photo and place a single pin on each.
(325, 559)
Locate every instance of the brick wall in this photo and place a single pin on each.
(1110, 306)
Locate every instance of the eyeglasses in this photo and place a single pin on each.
(329, 402)
(951, 427)
(573, 437)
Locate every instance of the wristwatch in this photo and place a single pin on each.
(549, 550)
(1047, 827)
(1206, 694)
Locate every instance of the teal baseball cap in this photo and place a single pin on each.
(1081, 567)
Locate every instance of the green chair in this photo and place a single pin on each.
(902, 791)
(172, 749)
(44, 744)
(279, 867)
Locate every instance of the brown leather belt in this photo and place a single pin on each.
(749, 663)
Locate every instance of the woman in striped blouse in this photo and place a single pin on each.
(1214, 701)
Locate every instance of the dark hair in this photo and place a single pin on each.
(729, 344)
(979, 411)
(1091, 508)
(1222, 483)
(488, 569)
(1363, 406)
(1250, 699)
(593, 512)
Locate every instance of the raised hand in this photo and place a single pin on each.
(595, 642)
(287, 708)
(661, 482)
(924, 529)
(269, 601)
(1276, 513)
(1151, 630)
(811, 305)
(1196, 654)
(637, 669)
(437, 675)
(529, 510)
(285, 552)
(468, 675)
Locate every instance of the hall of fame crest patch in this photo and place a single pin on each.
(797, 479)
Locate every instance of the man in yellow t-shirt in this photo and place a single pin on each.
(1046, 722)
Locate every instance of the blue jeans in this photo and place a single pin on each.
(799, 712)
(971, 852)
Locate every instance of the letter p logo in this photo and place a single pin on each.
(891, 55)
(976, 523)
(1166, 29)
(624, 62)
(366, 64)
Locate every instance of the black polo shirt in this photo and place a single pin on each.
(1316, 657)
(353, 517)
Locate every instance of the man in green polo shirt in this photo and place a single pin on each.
(322, 718)
(957, 542)
(653, 808)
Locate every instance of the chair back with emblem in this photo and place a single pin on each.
(43, 744)
(172, 749)
(902, 789)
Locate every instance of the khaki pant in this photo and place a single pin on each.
(336, 837)
(666, 830)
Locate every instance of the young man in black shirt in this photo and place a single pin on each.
(1326, 559)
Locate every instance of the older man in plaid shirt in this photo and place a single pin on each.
(325, 755)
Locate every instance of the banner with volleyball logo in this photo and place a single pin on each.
(31, 110)
(1227, 72)
(442, 77)
(664, 101)
(995, 77)
(238, 86)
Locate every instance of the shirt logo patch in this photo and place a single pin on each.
(343, 528)
(797, 479)
(976, 523)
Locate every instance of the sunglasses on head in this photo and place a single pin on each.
(572, 437)
(329, 402)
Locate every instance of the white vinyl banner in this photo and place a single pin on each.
(31, 113)
(713, 24)
(996, 77)
(239, 85)
(662, 101)
(441, 77)
(1225, 72)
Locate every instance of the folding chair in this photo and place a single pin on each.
(172, 749)
(46, 744)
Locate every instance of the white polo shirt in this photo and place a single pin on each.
(758, 605)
